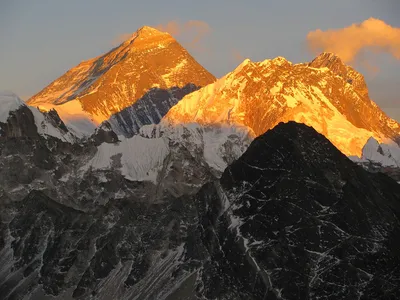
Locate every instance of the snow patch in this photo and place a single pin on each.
(214, 143)
(276, 88)
(173, 71)
(388, 155)
(74, 117)
(138, 158)
(290, 101)
(46, 128)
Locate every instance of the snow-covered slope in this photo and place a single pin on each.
(98, 88)
(216, 145)
(385, 154)
(75, 118)
(324, 94)
(138, 158)
(152, 154)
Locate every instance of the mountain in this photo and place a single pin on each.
(292, 218)
(169, 156)
(387, 155)
(19, 120)
(37, 152)
(325, 94)
(380, 157)
(91, 92)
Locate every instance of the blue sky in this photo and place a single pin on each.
(42, 39)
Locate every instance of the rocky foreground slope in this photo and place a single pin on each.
(292, 218)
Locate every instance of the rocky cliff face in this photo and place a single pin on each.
(292, 218)
(324, 94)
(20, 123)
(103, 86)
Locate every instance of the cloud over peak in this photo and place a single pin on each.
(191, 32)
(372, 34)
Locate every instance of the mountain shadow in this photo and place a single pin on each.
(149, 109)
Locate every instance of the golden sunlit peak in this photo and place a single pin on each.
(328, 56)
(280, 60)
(327, 59)
(143, 33)
(242, 64)
(150, 30)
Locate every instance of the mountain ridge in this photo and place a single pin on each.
(97, 88)
(261, 94)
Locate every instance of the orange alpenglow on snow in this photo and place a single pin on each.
(100, 87)
(325, 94)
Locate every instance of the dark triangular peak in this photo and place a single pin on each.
(303, 221)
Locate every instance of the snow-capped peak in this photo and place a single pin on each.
(244, 63)
(8, 102)
(327, 56)
(386, 154)
(147, 33)
(103, 86)
(260, 95)
(151, 31)
(280, 60)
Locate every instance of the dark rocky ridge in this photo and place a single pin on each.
(293, 218)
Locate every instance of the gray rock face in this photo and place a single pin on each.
(104, 134)
(20, 123)
(127, 247)
(293, 218)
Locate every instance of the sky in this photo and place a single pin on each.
(40, 40)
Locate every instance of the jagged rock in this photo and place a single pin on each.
(55, 119)
(104, 134)
(336, 65)
(20, 123)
